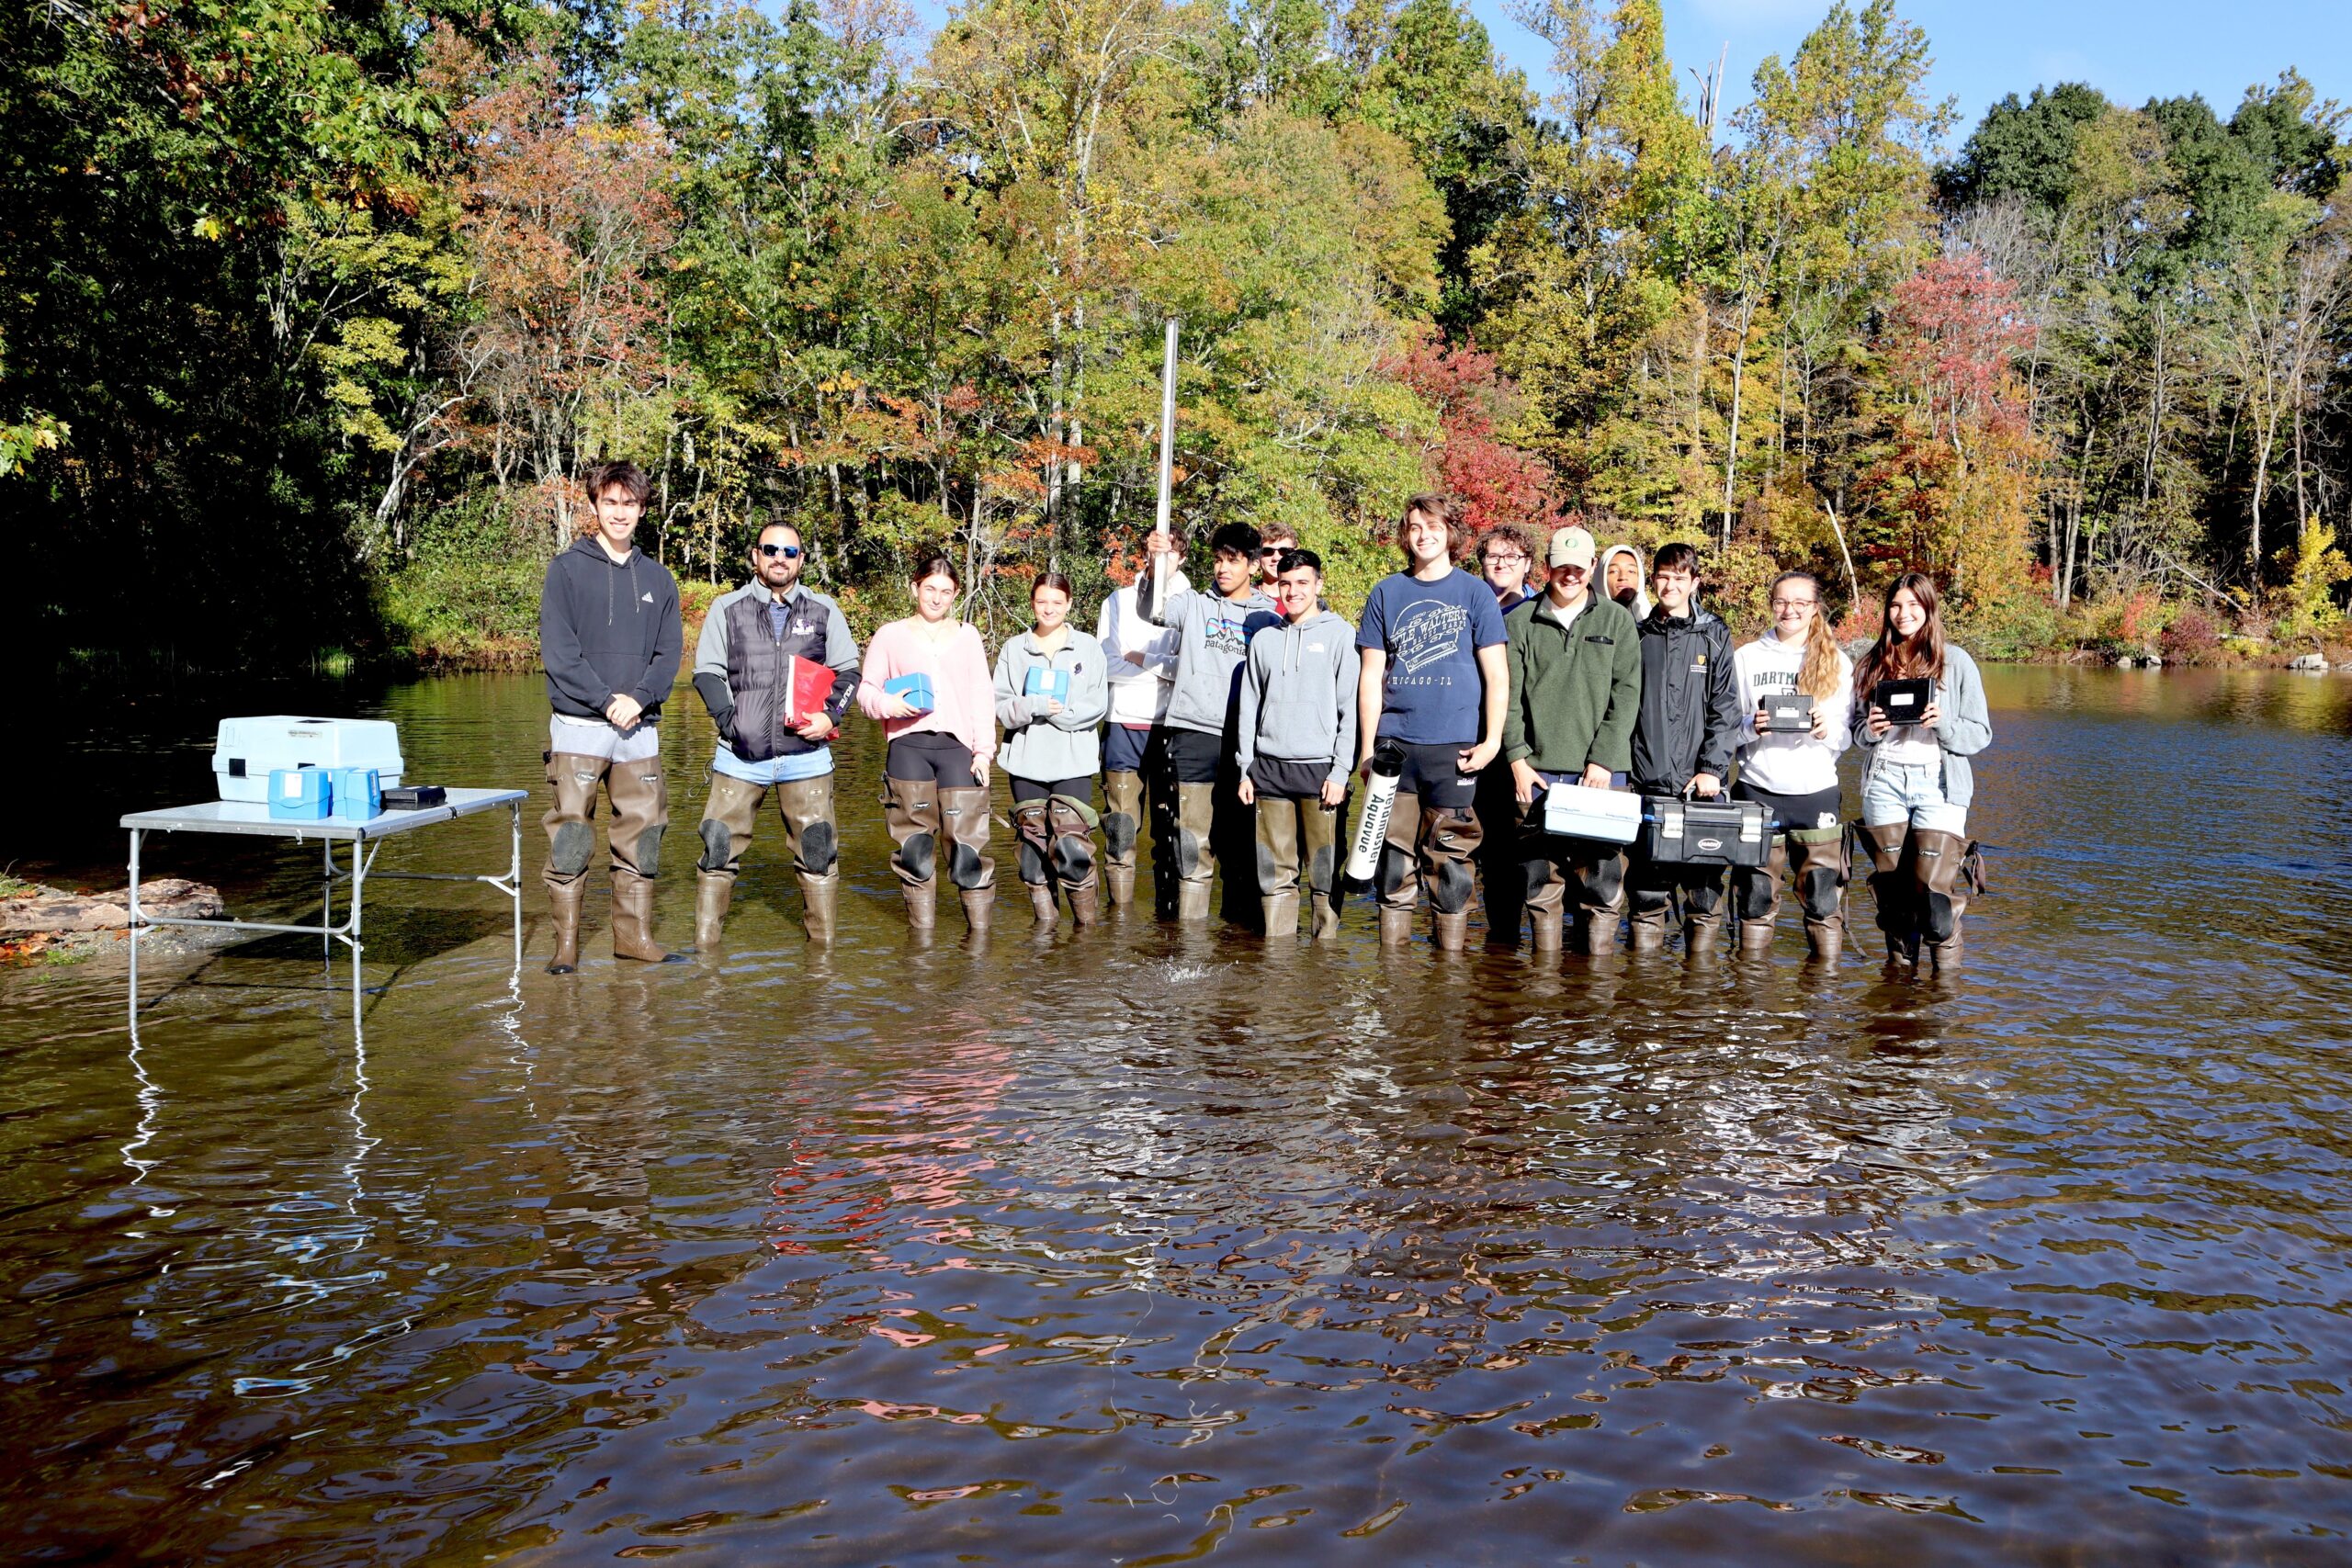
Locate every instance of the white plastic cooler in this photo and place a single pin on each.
(1611, 816)
(246, 750)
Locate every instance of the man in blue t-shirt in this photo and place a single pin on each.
(1433, 686)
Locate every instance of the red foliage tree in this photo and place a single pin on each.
(1496, 482)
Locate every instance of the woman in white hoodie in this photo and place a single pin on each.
(1794, 772)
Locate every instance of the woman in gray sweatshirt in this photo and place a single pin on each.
(1298, 745)
(1052, 689)
(1917, 781)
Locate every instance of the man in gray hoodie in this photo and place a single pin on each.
(610, 640)
(1213, 633)
(1298, 735)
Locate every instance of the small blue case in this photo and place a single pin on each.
(300, 794)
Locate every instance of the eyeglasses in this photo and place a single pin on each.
(1779, 604)
(1499, 558)
(789, 552)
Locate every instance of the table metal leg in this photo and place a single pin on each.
(136, 834)
(359, 859)
(514, 877)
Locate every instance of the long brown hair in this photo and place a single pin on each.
(1895, 657)
(1818, 677)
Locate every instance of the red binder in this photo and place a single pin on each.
(812, 685)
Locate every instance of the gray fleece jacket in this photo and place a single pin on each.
(1966, 728)
(1212, 637)
(1048, 748)
(1298, 694)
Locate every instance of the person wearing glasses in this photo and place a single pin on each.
(743, 665)
(1793, 772)
(1274, 541)
(1504, 558)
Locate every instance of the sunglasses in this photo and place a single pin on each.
(789, 552)
(1269, 552)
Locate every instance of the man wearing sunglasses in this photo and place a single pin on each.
(752, 642)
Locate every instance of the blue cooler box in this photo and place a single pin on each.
(1045, 681)
(300, 794)
(358, 794)
(915, 690)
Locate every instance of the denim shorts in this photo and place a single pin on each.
(1913, 792)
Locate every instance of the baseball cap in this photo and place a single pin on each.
(1570, 546)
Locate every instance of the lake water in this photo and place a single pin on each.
(1150, 1246)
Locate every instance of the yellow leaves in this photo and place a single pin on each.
(211, 228)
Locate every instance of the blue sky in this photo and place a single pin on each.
(1984, 49)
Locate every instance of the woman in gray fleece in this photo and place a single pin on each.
(1917, 781)
(1052, 689)
(1298, 746)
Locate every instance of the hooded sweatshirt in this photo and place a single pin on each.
(1043, 747)
(1641, 606)
(1298, 694)
(1787, 764)
(1212, 637)
(608, 627)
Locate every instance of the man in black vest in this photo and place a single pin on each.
(743, 666)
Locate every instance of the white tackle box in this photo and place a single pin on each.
(1610, 816)
(248, 750)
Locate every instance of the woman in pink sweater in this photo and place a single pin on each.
(936, 770)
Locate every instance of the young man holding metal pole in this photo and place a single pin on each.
(753, 641)
(610, 640)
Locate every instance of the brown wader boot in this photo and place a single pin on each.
(1756, 896)
(964, 816)
(572, 844)
(910, 808)
(1598, 872)
(1122, 826)
(806, 806)
(1278, 824)
(1649, 901)
(641, 796)
(563, 904)
(1817, 861)
(1448, 851)
(1703, 913)
(1195, 849)
(1033, 854)
(1940, 882)
(726, 831)
(1071, 821)
(1545, 880)
(1891, 888)
(1318, 850)
(1396, 878)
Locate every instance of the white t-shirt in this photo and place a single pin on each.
(1139, 692)
(1787, 764)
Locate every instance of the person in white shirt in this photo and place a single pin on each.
(1793, 774)
(1134, 777)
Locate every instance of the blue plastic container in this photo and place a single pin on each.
(358, 794)
(1045, 681)
(300, 794)
(915, 690)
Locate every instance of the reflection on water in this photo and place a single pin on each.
(1149, 1245)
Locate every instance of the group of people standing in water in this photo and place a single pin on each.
(1234, 720)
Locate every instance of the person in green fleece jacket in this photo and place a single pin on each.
(1575, 687)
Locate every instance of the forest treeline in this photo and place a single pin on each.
(315, 314)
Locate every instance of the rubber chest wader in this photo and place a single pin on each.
(1817, 863)
(1195, 849)
(640, 801)
(1072, 822)
(963, 818)
(1278, 854)
(1033, 840)
(1891, 888)
(1756, 896)
(910, 810)
(1122, 826)
(1556, 866)
(1944, 870)
(1438, 846)
(1702, 909)
(807, 808)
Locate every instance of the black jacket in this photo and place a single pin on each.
(1690, 715)
(608, 627)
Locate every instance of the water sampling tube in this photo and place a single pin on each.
(1380, 799)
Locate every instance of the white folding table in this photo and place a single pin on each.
(366, 835)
